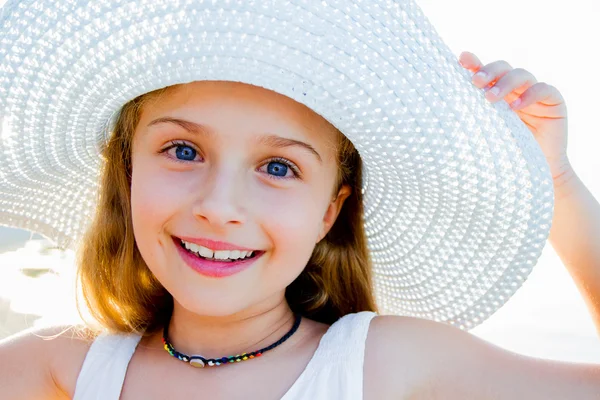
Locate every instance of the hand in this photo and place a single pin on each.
(542, 107)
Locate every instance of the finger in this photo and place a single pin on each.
(538, 110)
(543, 99)
(470, 61)
(515, 79)
(491, 72)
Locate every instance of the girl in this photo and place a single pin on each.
(231, 235)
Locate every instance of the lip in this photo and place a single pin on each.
(214, 269)
(214, 244)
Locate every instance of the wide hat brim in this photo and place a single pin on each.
(458, 195)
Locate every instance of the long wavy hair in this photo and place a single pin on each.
(122, 294)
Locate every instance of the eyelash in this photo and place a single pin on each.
(284, 161)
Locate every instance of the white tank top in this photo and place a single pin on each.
(335, 370)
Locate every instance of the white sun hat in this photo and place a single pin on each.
(458, 195)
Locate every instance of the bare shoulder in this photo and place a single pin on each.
(70, 347)
(413, 358)
(57, 354)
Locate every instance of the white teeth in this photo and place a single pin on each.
(222, 254)
(204, 252)
(217, 254)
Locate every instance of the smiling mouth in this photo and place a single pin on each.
(253, 254)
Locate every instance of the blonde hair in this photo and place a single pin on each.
(123, 295)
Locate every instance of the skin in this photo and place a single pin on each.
(405, 358)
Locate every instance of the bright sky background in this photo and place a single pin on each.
(556, 41)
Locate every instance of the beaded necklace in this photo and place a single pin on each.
(200, 362)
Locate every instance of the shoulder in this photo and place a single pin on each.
(403, 354)
(412, 358)
(70, 347)
(58, 351)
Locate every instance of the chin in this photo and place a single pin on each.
(223, 305)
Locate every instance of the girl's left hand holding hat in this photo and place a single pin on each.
(576, 219)
(539, 105)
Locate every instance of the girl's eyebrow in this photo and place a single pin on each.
(280, 142)
(267, 140)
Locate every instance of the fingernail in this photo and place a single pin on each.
(515, 103)
(481, 75)
(495, 90)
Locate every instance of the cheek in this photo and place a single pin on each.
(154, 200)
(293, 221)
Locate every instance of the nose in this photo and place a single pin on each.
(219, 198)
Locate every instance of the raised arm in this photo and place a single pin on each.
(575, 236)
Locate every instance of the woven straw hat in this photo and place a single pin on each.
(458, 195)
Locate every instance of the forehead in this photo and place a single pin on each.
(227, 103)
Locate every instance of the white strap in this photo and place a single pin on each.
(348, 337)
(336, 370)
(351, 342)
(105, 366)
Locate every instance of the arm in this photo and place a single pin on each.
(575, 236)
(446, 363)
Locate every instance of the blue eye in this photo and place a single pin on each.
(279, 168)
(184, 152)
(276, 168)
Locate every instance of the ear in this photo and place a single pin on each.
(333, 210)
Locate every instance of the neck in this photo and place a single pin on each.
(219, 336)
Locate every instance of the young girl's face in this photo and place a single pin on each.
(217, 161)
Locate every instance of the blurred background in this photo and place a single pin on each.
(546, 318)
